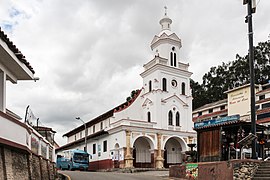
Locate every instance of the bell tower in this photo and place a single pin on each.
(167, 44)
(166, 81)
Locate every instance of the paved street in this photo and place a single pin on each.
(148, 175)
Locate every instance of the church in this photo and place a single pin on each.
(153, 128)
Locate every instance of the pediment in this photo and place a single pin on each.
(164, 36)
(175, 37)
(176, 98)
(155, 39)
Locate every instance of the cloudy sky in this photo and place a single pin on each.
(89, 54)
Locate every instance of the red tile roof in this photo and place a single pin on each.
(15, 50)
(264, 120)
(263, 91)
(262, 100)
(203, 117)
(262, 111)
(105, 115)
(71, 144)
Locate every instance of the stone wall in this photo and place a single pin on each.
(221, 170)
(2, 172)
(20, 164)
(35, 166)
(245, 169)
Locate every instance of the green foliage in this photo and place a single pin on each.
(230, 75)
(132, 95)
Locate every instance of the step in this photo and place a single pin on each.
(263, 170)
(262, 175)
(263, 164)
(260, 178)
(264, 167)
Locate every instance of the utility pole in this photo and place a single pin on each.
(251, 7)
(85, 133)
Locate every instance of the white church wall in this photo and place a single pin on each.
(164, 50)
(112, 140)
(132, 112)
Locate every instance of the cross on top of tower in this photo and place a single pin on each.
(165, 7)
(165, 22)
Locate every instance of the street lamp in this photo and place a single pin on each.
(251, 8)
(85, 133)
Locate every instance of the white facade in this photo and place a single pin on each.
(155, 126)
(14, 133)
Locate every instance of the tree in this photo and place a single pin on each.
(230, 75)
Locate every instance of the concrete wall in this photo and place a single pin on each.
(26, 137)
(20, 164)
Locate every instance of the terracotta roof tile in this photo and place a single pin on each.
(262, 100)
(263, 91)
(210, 105)
(15, 50)
(209, 115)
(264, 120)
(262, 111)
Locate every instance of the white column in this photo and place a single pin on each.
(53, 155)
(3, 91)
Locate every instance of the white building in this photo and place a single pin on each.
(226, 121)
(155, 126)
(15, 133)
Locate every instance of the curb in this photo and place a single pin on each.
(63, 176)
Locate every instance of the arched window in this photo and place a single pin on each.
(171, 59)
(170, 118)
(174, 59)
(164, 84)
(150, 86)
(183, 88)
(177, 119)
(148, 116)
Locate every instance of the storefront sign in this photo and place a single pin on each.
(216, 121)
(192, 171)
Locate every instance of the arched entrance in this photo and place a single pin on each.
(116, 156)
(142, 155)
(173, 151)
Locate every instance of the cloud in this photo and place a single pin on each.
(89, 54)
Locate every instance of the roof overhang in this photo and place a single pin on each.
(13, 62)
(14, 69)
(82, 140)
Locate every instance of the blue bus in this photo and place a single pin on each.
(72, 160)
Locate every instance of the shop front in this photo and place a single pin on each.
(218, 139)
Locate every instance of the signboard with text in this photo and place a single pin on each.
(216, 121)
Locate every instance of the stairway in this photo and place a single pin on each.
(263, 171)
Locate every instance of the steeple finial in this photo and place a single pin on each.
(165, 22)
(165, 7)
